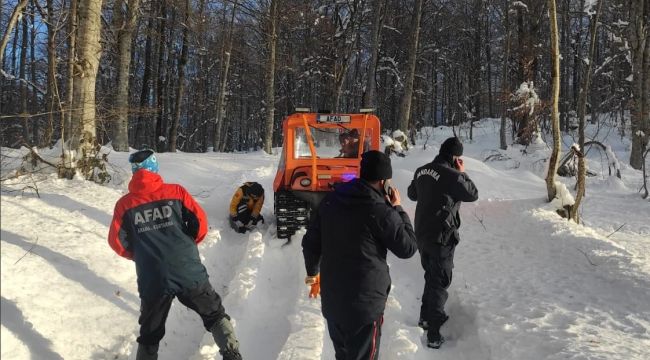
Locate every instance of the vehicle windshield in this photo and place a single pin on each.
(340, 142)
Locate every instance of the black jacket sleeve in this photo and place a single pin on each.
(463, 189)
(311, 245)
(412, 191)
(396, 233)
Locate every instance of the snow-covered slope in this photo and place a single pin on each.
(527, 284)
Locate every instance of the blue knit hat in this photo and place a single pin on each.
(144, 159)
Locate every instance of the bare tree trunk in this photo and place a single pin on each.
(169, 86)
(371, 82)
(270, 76)
(2, 59)
(126, 23)
(582, 105)
(339, 79)
(23, 84)
(173, 132)
(221, 101)
(640, 51)
(14, 47)
(577, 58)
(144, 117)
(159, 128)
(503, 142)
(564, 84)
(405, 106)
(645, 176)
(555, 95)
(68, 169)
(343, 55)
(488, 60)
(89, 49)
(434, 90)
(36, 140)
(198, 139)
(477, 111)
(52, 87)
(12, 22)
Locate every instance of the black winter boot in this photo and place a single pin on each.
(230, 354)
(147, 352)
(435, 342)
(425, 324)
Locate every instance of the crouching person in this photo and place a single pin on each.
(245, 207)
(159, 225)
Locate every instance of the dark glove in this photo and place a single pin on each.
(235, 220)
(259, 218)
(237, 224)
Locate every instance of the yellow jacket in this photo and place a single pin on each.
(254, 205)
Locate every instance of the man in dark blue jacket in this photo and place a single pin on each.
(347, 242)
(439, 187)
(158, 226)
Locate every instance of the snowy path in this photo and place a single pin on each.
(527, 284)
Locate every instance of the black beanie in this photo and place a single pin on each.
(255, 189)
(452, 147)
(375, 165)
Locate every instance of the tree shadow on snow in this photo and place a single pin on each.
(63, 201)
(82, 230)
(13, 319)
(77, 271)
(66, 202)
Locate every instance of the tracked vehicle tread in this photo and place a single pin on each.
(291, 214)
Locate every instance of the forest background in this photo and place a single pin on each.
(201, 75)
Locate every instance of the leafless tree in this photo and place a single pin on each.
(555, 95)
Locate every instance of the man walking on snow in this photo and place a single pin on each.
(439, 187)
(346, 243)
(158, 226)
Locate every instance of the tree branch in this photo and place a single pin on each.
(588, 259)
(615, 231)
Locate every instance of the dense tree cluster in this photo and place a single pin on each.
(195, 75)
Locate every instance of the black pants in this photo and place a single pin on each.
(359, 344)
(437, 265)
(153, 312)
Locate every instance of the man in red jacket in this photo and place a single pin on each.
(158, 226)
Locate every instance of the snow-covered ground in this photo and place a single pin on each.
(527, 283)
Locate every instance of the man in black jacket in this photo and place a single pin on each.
(439, 187)
(347, 242)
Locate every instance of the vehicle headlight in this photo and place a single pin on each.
(305, 182)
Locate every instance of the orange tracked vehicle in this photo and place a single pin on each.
(319, 150)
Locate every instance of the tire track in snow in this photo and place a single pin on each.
(273, 300)
(185, 329)
(305, 340)
(262, 296)
(227, 260)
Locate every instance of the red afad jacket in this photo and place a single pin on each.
(158, 225)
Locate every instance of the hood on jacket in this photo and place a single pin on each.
(444, 159)
(358, 191)
(144, 182)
